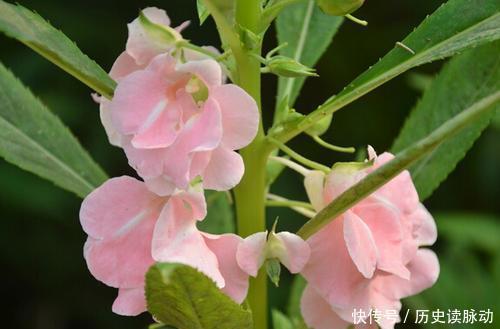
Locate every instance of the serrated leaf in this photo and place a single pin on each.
(454, 27)
(465, 80)
(220, 217)
(35, 32)
(402, 161)
(180, 296)
(308, 32)
(34, 139)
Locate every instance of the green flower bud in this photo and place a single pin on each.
(159, 33)
(320, 127)
(339, 7)
(287, 67)
(273, 269)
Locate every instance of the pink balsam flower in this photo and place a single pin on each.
(370, 256)
(130, 228)
(177, 120)
(288, 248)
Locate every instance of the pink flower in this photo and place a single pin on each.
(177, 121)
(130, 228)
(369, 257)
(288, 248)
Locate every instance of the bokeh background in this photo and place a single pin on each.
(44, 280)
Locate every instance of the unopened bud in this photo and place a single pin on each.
(273, 269)
(320, 127)
(287, 67)
(339, 7)
(159, 33)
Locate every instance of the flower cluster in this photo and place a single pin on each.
(180, 124)
(369, 257)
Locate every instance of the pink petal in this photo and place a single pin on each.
(123, 66)
(130, 302)
(176, 239)
(425, 226)
(296, 251)
(224, 247)
(201, 133)
(360, 244)
(147, 162)
(114, 137)
(314, 183)
(224, 171)
(384, 223)
(208, 70)
(139, 44)
(341, 178)
(331, 271)
(138, 99)
(317, 313)
(160, 129)
(119, 217)
(240, 115)
(160, 185)
(250, 253)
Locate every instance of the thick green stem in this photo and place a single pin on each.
(250, 193)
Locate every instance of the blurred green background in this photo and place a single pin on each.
(45, 282)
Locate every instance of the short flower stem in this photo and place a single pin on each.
(332, 147)
(299, 158)
(289, 204)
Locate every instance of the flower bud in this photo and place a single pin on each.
(339, 7)
(159, 33)
(287, 67)
(320, 127)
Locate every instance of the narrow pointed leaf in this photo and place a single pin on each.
(308, 32)
(402, 161)
(465, 80)
(454, 27)
(180, 296)
(34, 139)
(35, 32)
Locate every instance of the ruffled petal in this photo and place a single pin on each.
(123, 66)
(240, 115)
(119, 217)
(250, 253)
(130, 302)
(176, 239)
(224, 170)
(224, 247)
(425, 227)
(360, 244)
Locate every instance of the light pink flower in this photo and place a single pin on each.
(177, 120)
(288, 248)
(369, 257)
(130, 228)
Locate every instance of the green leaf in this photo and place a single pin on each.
(402, 161)
(454, 27)
(180, 296)
(202, 11)
(34, 139)
(465, 80)
(220, 217)
(31, 29)
(308, 32)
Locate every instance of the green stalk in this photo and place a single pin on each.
(250, 194)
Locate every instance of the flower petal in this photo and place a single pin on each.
(176, 239)
(224, 247)
(425, 226)
(240, 115)
(224, 171)
(130, 302)
(314, 183)
(317, 313)
(360, 244)
(208, 70)
(296, 253)
(250, 253)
